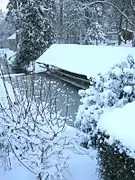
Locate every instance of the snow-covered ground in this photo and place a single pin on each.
(17, 173)
(3, 94)
(88, 60)
(6, 51)
(82, 163)
(119, 123)
(11, 56)
(82, 166)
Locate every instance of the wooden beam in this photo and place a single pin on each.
(73, 77)
(71, 82)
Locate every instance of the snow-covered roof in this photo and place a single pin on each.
(120, 125)
(13, 36)
(88, 60)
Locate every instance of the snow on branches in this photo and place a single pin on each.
(114, 89)
(33, 130)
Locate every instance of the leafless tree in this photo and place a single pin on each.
(32, 128)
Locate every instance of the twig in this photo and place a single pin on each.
(110, 4)
(20, 160)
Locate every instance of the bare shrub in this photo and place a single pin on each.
(33, 128)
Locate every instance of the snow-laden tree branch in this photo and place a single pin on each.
(33, 128)
(86, 5)
(132, 5)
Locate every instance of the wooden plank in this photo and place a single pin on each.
(74, 74)
(70, 77)
(74, 77)
(64, 71)
(71, 82)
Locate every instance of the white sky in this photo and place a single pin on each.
(3, 4)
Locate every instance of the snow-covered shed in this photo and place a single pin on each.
(88, 60)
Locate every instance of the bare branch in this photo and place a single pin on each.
(132, 6)
(110, 4)
(20, 160)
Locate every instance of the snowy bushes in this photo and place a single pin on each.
(109, 91)
(33, 129)
(116, 158)
(114, 162)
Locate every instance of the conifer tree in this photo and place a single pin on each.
(35, 28)
(36, 34)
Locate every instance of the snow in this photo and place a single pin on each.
(9, 53)
(81, 166)
(14, 75)
(3, 95)
(38, 68)
(88, 60)
(13, 36)
(6, 51)
(17, 173)
(119, 123)
(128, 44)
(128, 89)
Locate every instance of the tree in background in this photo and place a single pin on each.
(37, 33)
(76, 18)
(6, 30)
(95, 30)
(14, 13)
(79, 17)
(76, 21)
(34, 22)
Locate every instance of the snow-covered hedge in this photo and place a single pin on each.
(117, 153)
(112, 90)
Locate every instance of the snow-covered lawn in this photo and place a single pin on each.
(88, 60)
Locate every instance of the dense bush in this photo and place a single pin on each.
(111, 90)
(114, 162)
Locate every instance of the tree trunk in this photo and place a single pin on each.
(61, 21)
(126, 31)
(120, 29)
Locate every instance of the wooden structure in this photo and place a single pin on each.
(122, 36)
(12, 42)
(77, 80)
(126, 35)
